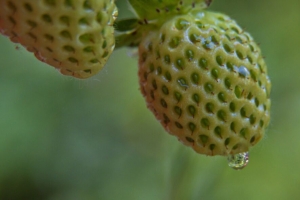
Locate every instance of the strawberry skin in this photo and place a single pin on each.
(76, 37)
(206, 81)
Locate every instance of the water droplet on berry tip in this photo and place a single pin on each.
(238, 161)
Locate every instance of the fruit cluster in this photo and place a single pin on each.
(201, 74)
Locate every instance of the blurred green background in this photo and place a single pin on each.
(63, 138)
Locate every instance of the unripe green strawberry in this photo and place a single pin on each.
(206, 81)
(76, 37)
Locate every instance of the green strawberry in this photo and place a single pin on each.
(151, 14)
(205, 80)
(151, 9)
(76, 37)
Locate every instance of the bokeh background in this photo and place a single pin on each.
(62, 138)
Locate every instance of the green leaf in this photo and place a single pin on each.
(126, 25)
(127, 32)
(155, 9)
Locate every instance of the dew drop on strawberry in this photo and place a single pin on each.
(243, 71)
(238, 161)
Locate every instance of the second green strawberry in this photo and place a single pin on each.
(76, 37)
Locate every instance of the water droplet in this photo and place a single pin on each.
(243, 71)
(238, 161)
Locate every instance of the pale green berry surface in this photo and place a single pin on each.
(205, 80)
(76, 37)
